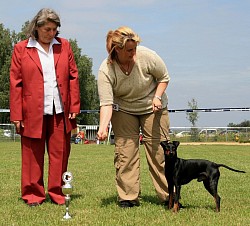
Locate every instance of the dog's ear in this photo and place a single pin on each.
(164, 144)
(176, 143)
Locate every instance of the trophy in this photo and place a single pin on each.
(67, 190)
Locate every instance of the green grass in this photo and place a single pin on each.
(94, 196)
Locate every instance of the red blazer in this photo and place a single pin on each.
(27, 88)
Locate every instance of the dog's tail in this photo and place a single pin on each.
(235, 170)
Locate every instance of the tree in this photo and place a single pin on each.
(193, 118)
(6, 42)
(245, 123)
(88, 86)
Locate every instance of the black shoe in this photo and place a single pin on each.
(34, 204)
(128, 204)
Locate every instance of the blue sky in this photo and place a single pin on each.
(204, 43)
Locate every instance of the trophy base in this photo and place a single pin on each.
(66, 216)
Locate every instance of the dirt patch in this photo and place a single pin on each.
(214, 143)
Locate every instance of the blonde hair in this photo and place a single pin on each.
(119, 38)
(42, 17)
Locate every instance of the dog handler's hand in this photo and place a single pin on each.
(72, 115)
(156, 103)
(102, 135)
(18, 125)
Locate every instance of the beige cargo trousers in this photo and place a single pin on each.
(155, 127)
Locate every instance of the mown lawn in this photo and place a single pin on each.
(94, 196)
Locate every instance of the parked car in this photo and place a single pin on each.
(171, 132)
(208, 132)
(229, 131)
(7, 133)
(183, 134)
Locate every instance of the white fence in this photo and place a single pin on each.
(8, 132)
(211, 134)
(184, 134)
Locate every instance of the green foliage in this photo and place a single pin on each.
(6, 43)
(88, 86)
(245, 123)
(22, 35)
(93, 201)
(192, 116)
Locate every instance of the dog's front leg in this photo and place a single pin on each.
(171, 195)
(177, 198)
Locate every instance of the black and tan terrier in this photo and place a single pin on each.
(180, 171)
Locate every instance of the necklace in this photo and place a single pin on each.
(126, 71)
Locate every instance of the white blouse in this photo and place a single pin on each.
(51, 92)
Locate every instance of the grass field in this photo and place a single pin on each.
(94, 196)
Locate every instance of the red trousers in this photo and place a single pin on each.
(58, 147)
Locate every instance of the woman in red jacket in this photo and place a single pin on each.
(44, 102)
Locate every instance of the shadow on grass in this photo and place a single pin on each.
(155, 201)
(72, 197)
(108, 201)
(48, 200)
(75, 196)
(146, 199)
(151, 199)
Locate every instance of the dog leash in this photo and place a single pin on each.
(158, 120)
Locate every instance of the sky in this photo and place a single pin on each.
(204, 43)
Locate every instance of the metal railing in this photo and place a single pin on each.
(184, 134)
